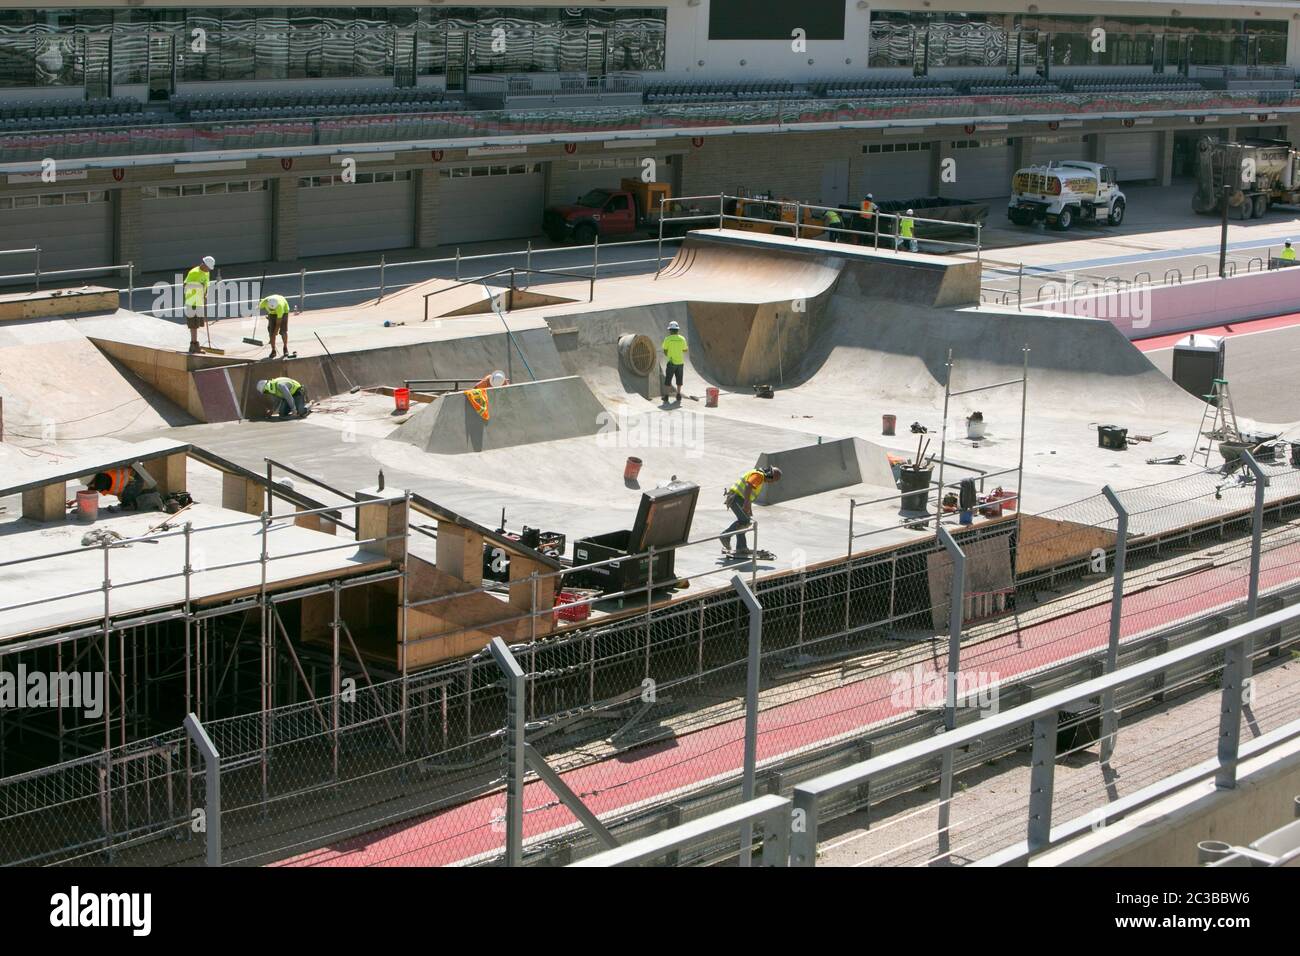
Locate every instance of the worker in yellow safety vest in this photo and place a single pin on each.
(740, 499)
(1287, 252)
(290, 396)
(675, 349)
(196, 298)
(276, 309)
(833, 221)
(906, 232)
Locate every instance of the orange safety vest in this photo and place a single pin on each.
(867, 208)
(118, 478)
(750, 484)
(479, 399)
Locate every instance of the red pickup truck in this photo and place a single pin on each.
(606, 213)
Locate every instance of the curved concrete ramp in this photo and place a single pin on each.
(812, 469)
(521, 414)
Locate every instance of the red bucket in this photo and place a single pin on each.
(87, 505)
(402, 399)
(887, 423)
(632, 469)
(710, 397)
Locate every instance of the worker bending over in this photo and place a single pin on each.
(906, 232)
(196, 298)
(833, 221)
(290, 396)
(133, 487)
(1287, 252)
(276, 309)
(740, 499)
(675, 350)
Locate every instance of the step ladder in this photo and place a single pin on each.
(1224, 425)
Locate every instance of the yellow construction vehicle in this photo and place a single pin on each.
(777, 217)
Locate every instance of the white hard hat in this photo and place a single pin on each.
(1288, 242)
(909, 212)
(210, 262)
(673, 326)
(498, 378)
(261, 385)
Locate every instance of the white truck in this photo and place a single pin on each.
(1064, 193)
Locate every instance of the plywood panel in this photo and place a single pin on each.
(1047, 542)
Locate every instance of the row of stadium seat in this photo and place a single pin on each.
(184, 105)
(50, 109)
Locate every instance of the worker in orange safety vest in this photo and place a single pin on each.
(740, 499)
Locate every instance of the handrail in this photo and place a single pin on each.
(807, 795)
(591, 280)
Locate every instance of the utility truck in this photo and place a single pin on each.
(633, 207)
(1258, 172)
(1061, 194)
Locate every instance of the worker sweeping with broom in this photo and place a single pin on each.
(195, 292)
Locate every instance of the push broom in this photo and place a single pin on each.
(253, 339)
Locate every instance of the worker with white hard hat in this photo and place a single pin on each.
(492, 380)
(1288, 254)
(906, 232)
(290, 396)
(196, 298)
(675, 349)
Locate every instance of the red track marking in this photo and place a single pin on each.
(462, 832)
(1158, 342)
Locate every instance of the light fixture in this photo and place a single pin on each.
(744, 62)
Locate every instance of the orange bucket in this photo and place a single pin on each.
(402, 399)
(710, 397)
(632, 469)
(87, 505)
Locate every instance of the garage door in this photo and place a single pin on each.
(574, 177)
(496, 201)
(894, 171)
(1057, 149)
(377, 211)
(74, 229)
(230, 221)
(1134, 155)
(983, 169)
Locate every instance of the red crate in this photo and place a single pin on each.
(579, 613)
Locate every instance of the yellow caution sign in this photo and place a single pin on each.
(479, 399)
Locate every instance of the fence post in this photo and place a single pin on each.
(514, 750)
(721, 199)
(528, 260)
(798, 219)
(1256, 554)
(956, 603)
(1109, 717)
(130, 286)
(595, 258)
(38, 267)
(751, 708)
(1235, 674)
(1042, 772)
(381, 278)
(302, 291)
(212, 788)
(458, 263)
(1020, 287)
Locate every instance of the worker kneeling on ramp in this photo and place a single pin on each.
(133, 487)
(290, 396)
(740, 499)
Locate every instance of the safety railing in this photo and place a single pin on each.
(798, 226)
(512, 272)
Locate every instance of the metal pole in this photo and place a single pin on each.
(528, 261)
(1235, 675)
(1024, 403)
(595, 258)
(798, 219)
(212, 787)
(1223, 227)
(956, 602)
(943, 443)
(751, 707)
(514, 750)
(1042, 772)
(38, 267)
(721, 198)
(1256, 554)
(458, 263)
(130, 286)
(1109, 716)
(1020, 287)
(381, 278)
(659, 255)
(302, 291)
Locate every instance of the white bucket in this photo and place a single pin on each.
(974, 428)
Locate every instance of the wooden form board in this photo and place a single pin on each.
(58, 303)
(988, 568)
(1048, 542)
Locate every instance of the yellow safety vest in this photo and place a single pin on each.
(746, 488)
(273, 386)
(1288, 253)
(478, 398)
(905, 226)
(196, 288)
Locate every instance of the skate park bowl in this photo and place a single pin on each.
(521, 414)
(826, 466)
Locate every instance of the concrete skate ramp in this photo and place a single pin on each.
(875, 350)
(812, 469)
(521, 414)
(57, 386)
